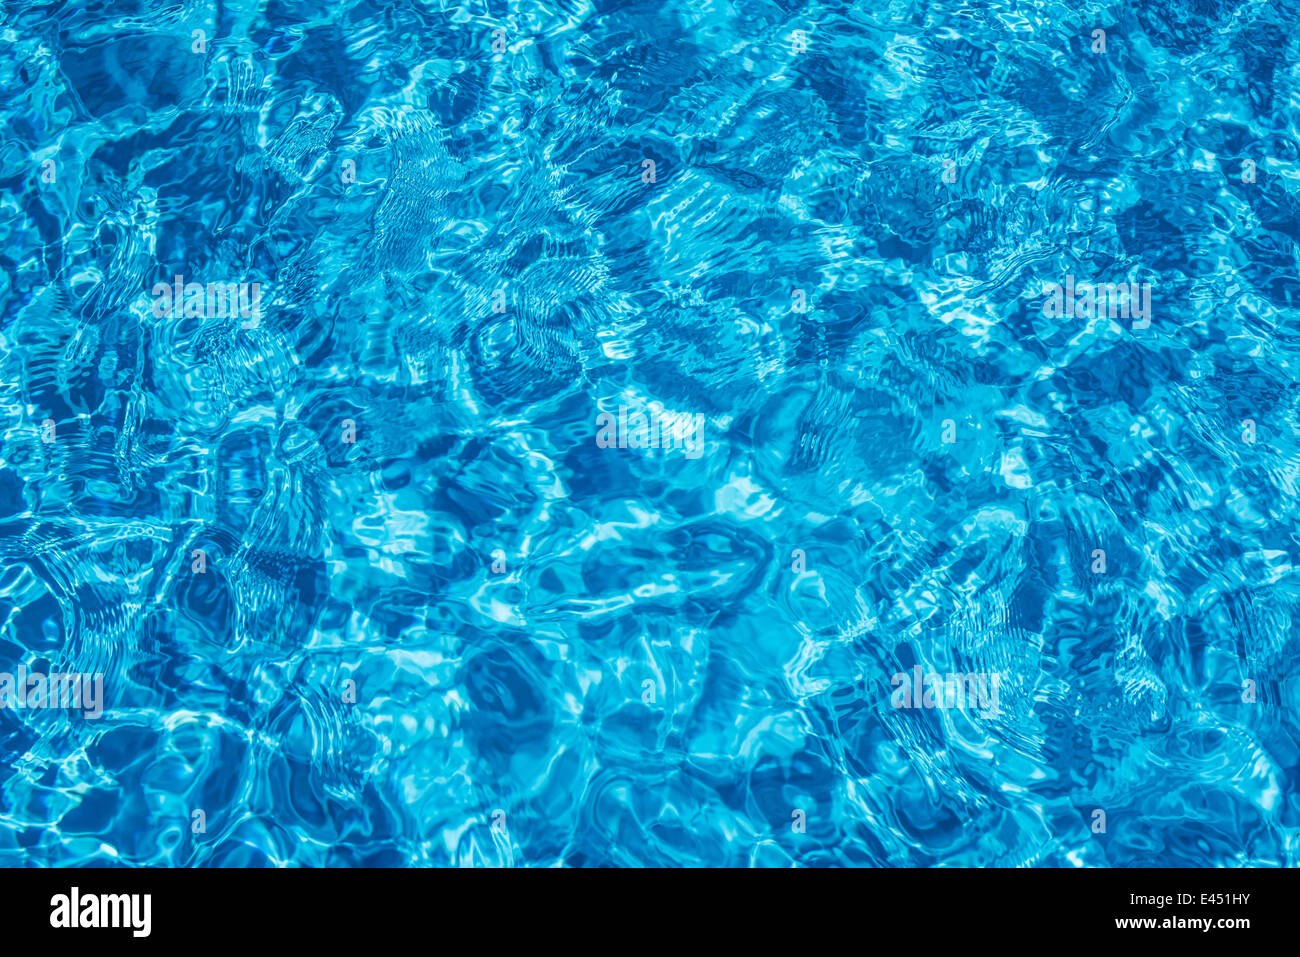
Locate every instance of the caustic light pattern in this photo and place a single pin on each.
(590, 433)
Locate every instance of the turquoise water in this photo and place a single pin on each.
(650, 434)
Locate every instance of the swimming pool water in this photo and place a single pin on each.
(650, 433)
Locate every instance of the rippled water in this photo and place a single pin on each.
(370, 579)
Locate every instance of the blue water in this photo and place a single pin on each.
(369, 579)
